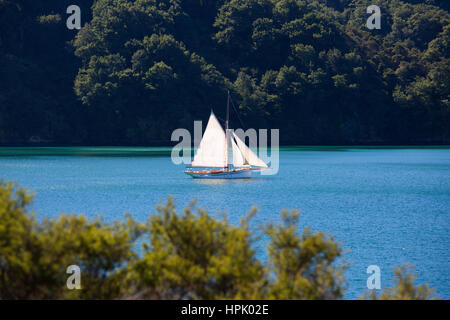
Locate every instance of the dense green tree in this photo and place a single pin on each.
(34, 255)
(139, 69)
(305, 266)
(193, 256)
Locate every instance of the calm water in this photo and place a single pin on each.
(385, 206)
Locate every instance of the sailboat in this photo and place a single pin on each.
(211, 160)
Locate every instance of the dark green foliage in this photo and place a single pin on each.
(139, 69)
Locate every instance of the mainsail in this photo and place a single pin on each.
(212, 149)
(250, 157)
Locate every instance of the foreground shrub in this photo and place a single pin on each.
(188, 255)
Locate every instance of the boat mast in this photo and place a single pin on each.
(226, 131)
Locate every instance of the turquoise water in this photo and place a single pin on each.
(386, 206)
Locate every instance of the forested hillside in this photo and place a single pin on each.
(139, 69)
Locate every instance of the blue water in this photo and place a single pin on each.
(386, 206)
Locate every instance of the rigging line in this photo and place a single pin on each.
(220, 118)
(237, 113)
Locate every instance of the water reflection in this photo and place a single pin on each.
(224, 181)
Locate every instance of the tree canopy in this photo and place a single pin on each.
(139, 69)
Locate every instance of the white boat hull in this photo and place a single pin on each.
(238, 174)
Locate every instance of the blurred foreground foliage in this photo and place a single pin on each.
(188, 255)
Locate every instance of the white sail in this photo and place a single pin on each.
(212, 149)
(238, 158)
(250, 157)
